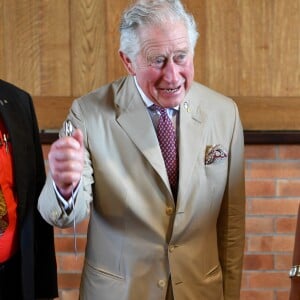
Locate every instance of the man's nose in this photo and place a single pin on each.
(171, 71)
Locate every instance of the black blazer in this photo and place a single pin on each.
(39, 276)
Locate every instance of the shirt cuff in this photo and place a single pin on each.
(66, 204)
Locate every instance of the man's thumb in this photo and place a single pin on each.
(78, 136)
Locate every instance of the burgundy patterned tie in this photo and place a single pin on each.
(167, 139)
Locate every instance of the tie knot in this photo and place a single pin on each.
(161, 110)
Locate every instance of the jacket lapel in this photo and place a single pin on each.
(135, 120)
(192, 121)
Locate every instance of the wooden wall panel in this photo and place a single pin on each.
(269, 113)
(88, 45)
(252, 47)
(21, 25)
(248, 49)
(51, 111)
(55, 69)
(198, 9)
(114, 9)
(222, 46)
(36, 45)
(286, 52)
(256, 46)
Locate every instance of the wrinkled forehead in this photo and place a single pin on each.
(166, 37)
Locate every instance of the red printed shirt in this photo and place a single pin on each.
(8, 203)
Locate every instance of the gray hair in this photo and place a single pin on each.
(152, 12)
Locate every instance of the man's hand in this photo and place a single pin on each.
(66, 162)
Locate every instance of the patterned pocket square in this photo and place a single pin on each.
(215, 154)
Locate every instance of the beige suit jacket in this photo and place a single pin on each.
(137, 237)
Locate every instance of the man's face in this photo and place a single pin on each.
(164, 66)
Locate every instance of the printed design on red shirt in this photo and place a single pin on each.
(8, 199)
(3, 214)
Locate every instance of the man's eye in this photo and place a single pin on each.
(158, 62)
(180, 58)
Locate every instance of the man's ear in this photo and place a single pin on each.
(127, 63)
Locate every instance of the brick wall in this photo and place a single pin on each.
(273, 195)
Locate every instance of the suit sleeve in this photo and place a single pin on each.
(231, 220)
(49, 204)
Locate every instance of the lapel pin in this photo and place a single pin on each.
(186, 106)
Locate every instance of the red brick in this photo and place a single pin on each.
(289, 188)
(246, 243)
(255, 188)
(259, 225)
(81, 228)
(69, 280)
(268, 280)
(257, 295)
(69, 295)
(276, 169)
(283, 262)
(271, 243)
(69, 262)
(244, 283)
(248, 170)
(66, 244)
(282, 295)
(258, 262)
(289, 152)
(45, 149)
(260, 152)
(272, 206)
(285, 225)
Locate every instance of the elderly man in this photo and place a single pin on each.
(159, 159)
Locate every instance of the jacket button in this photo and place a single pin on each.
(169, 210)
(161, 283)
